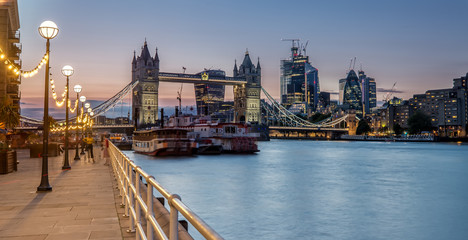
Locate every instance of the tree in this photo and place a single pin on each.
(419, 122)
(397, 129)
(363, 127)
(9, 116)
(317, 117)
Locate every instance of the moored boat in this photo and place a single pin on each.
(163, 142)
(216, 138)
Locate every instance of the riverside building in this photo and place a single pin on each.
(446, 108)
(10, 49)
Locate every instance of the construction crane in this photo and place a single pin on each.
(390, 93)
(293, 48)
(304, 47)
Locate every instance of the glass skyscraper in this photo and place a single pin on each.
(352, 95)
(369, 89)
(299, 82)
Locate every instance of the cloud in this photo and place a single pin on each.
(386, 90)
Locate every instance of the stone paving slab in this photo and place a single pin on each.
(81, 205)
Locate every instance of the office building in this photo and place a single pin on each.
(369, 90)
(341, 85)
(299, 82)
(209, 97)
(352, 95)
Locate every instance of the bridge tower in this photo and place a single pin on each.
(145, 69)
(247, 96)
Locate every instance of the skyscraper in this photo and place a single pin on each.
(352, 95)
(341, 85)
(209, 97)
(368, 87)
(299, 81)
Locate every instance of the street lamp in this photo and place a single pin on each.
(47, 30)
(77, 89)
(66, 71)
(82, 100)
(87, 105)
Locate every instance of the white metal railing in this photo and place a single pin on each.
(128, 175)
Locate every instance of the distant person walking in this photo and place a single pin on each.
(89, 147)
(105, 151)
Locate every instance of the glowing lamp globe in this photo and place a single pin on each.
(82, 99)
(67, 70)
(77, 88)
(90, 110)
(91, 114)
(48, 29)
(87, 105)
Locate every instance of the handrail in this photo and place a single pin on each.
(128, 176)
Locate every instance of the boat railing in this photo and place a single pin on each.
(129, 177)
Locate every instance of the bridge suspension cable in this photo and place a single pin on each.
(279, 113)
(98, 110)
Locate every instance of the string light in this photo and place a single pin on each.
(54, 94)
(31, 73)
(72, 110)
(89, 123)
(12, 66)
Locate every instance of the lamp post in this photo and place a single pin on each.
(67, 71)
(47, 30)
(87, 105)
(77, 89)
(82, 100)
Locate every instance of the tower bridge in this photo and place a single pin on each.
(246, 84)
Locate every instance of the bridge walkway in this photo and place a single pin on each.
(83, 204)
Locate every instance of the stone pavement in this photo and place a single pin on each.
(83, 203)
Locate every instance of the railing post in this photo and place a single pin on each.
(174, 219)
(121, 171)
(131, 228)
(126, 193)
(149, 203)
(137, 203)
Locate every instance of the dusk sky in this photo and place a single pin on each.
(420, 45)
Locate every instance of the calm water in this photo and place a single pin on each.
(325, 190)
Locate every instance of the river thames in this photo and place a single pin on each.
(325, 190)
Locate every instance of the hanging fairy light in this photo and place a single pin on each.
(72, 110)
(13, 67)
(54, 94)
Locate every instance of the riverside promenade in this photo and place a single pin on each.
(84, 202)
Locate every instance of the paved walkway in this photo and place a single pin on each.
(82, 204)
